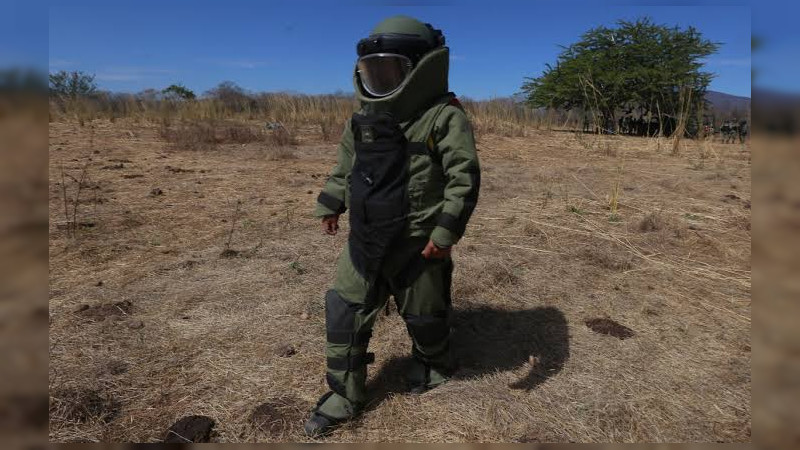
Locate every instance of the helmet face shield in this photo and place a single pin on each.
(382, 73)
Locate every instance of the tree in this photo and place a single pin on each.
(72, 84)
(232, 96)
(178, 92)
(636, 66)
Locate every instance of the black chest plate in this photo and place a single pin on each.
(378, 190)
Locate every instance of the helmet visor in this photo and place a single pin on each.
(383, 73)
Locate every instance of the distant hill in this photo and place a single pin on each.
(727, 105)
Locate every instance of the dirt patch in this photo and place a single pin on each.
(278, 416)
(652, 222)
(502, 274)
(285, 350)
(613, 259)
(83, 405)
(190, 429)
(116, 367)
(609, 327)
(229, 253)
(179, 170)
(731, 197)
(190, 263)
(113, 167)
(100, 312)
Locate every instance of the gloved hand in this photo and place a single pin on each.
(433, 251)
(330, 224)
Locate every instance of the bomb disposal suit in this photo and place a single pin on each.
(408, 172)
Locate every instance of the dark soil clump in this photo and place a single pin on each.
(190, 429)
(609, 327)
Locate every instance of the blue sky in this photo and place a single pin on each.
(310, 46)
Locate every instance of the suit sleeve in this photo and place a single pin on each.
(332, 198)
(456, 147)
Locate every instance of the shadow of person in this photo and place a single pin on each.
(486, 340)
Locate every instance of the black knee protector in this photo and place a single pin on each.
(340, 321)
(428, 329)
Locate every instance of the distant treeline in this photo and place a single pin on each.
(75, 96)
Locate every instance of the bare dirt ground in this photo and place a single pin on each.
(194, 287)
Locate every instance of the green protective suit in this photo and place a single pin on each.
(443, 184)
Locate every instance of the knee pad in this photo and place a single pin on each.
(340, 318)
(428, 329)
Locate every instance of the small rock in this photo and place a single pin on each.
(99, 283)
(156, 191)
(81, 308)
(135, 324)
(303, 316)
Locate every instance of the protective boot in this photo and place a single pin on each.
(321, 424)
(422, 378)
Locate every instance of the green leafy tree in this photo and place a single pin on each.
(72, 84)
(178, 92)
(636, 66)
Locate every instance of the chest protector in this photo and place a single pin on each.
(379, 203)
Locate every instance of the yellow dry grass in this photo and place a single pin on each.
(206, 334)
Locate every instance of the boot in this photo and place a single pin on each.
(321, 423)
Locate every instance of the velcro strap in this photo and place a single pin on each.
(348, 337)
(451, 223)
(353, 362)
(331, 202)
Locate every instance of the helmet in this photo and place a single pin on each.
(392, 50)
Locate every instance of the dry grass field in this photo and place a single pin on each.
(602, 292)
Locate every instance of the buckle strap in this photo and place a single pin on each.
(351, 363)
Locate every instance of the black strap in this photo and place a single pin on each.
(353, 362)
(331, 202)
(417, 148)
(451, 223)
(348, 337)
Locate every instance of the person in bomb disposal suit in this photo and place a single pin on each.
(408, 171)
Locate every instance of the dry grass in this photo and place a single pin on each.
(207, 335)
(320, 116)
